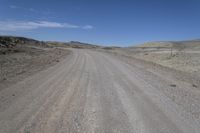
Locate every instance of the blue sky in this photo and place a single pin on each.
(107, 22)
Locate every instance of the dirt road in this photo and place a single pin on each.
(92, 92)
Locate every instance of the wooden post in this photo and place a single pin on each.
(171, 51)
(1, 72)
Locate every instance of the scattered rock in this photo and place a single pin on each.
(13, 95)
(196, 114)
(194, 85)
(173, 85)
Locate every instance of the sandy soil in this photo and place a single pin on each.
(186, 61)
(19, 62)
(99, 92)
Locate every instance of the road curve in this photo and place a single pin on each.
(93, 92)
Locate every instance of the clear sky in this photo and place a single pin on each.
(108, 22)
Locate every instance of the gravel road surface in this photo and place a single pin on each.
(94, 92)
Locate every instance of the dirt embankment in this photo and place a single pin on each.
(20, 58)
(185, 60)
(179, 55)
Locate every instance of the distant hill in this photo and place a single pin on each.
(190, 44)
(155, 44)
(12, 41)
(73, 44)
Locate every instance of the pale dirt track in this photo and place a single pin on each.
(93, 92)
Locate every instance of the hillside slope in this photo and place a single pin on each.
(21, 57)
(11, 41)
